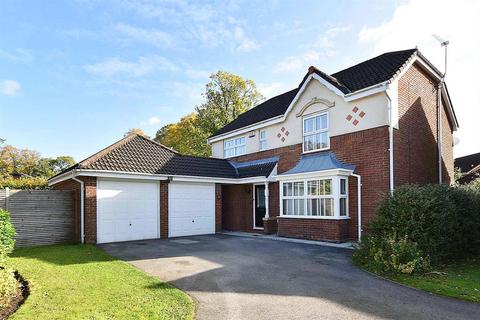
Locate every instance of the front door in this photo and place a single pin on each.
(259, 209)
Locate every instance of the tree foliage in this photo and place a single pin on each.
(29, 165)
(136, 131)
(226, 97)
(184, 136)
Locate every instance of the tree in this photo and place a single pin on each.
(61, 163)
(227, 96)
(136, 131)
(29, 162)
(13, 160)
(184, 136)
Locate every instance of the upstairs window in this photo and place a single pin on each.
(234, 147)
(263, 140)
(315, 133)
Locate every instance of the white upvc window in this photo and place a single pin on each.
(323, 198)
(315, 133)
(234, 147)
(262, 140)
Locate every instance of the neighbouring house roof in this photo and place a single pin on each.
(317, 162)
(255, 168)
(470, 166)
(137, 154)
(360, 76)
(467, 163)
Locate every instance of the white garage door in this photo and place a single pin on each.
(191, 209)
(127, 210)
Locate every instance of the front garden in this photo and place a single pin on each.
(427, 237)
(82, 282)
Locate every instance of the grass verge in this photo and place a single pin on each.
(459, 279)
(83, 282)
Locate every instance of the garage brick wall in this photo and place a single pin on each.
(164, 209)
(218, 207)
(90, 199)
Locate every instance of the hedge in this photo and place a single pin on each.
(24, 183)
(422, 226)
(8, 283)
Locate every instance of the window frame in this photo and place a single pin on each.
(260, 140)
(313, 133)
(335, 196)
(234, 147)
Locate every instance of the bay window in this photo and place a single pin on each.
(234, 147)
(315, 198)
(315, 133)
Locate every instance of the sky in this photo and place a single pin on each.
(76, 75)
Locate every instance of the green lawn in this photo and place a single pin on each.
(458, 280)
(83, 282)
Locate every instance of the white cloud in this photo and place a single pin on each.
(152, 36)
(197, 74)
(143, 66)
(16, 55)
(151, 121)
(302, 61)
(211, 25)
(10, 87)
(272, 89)
(245, 44)
(323, 46)
(413, 24)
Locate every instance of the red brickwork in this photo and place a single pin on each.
(163, 209)
(415, 141)
(367, 150)
(218, 207)
(90, 223)
(313, 229)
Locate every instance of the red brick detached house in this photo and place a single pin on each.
(310, 163)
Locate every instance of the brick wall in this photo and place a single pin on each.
(415, 141)
(218, 207)
(164, 209)
(367, 150)
(313, 229)
(90, 198)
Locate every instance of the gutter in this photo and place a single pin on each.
(390, 142)
(82, 208)
(359, 205)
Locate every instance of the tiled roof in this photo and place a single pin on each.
(136, 154)
(317, 162)
(271, 108)
(255, 168)
(357, 77)
(467, 163)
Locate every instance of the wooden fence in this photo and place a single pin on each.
(40, 217)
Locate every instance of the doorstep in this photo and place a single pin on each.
(343, 245)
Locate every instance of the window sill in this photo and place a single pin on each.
(314, 217)
(316, 150)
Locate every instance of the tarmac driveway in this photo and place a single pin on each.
(252, 278)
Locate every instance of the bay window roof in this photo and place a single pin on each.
(318, 162)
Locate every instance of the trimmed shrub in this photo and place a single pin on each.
(24, 183)
(8, 283)
(419, 226)
(7, 234)
(8, 286)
